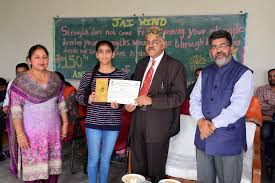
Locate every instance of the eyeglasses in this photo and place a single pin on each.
(221, 46)
(109, 51)
(154, 43)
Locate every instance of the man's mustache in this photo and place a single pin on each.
(219, 54)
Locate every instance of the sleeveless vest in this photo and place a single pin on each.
(217, 88)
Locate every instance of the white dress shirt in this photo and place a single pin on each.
(7, 99)
(158, 59)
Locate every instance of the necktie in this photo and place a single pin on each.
(147, 80)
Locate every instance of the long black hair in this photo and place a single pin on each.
(98, 44)
(96, 67)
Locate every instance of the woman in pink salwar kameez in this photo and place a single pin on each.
(36, 129)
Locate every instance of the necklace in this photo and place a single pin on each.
(40, 78)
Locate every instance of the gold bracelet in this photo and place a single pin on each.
(21, 134)
(65, 123)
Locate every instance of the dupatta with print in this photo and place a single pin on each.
(28, 89)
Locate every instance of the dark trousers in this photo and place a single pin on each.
(148, 159)
(2, 128)
(268, 138)
(268, 149)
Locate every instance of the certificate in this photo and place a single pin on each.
(101, 89)
(123, 91)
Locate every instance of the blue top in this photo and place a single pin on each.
(100, 115)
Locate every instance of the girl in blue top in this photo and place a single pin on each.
(103, 120)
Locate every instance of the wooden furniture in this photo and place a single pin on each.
(257, 165)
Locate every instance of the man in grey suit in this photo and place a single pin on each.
(156, 115)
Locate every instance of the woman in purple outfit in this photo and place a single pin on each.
(35, 128)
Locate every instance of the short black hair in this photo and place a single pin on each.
(270, 70)
(220, 34)
(3, 82)
(198, 69)
(20, 65)
(62, 78)
(60, 75)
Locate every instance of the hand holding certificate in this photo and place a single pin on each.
(123, 91)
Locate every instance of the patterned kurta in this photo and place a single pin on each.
(42, 126)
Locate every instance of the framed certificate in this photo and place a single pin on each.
(101, 89)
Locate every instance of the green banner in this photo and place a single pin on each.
(186, 38)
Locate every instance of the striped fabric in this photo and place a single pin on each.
(100, 116)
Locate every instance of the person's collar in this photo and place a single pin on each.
(158, 59)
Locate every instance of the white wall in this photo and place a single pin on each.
(24, 23)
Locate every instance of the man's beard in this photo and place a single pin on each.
(224, 60)
(271, 83)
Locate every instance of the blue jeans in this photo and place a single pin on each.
(100, 146)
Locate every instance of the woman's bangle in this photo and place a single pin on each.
(21, 134)
(65, 123)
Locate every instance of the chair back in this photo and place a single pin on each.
(254, 112)
(73, 112)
